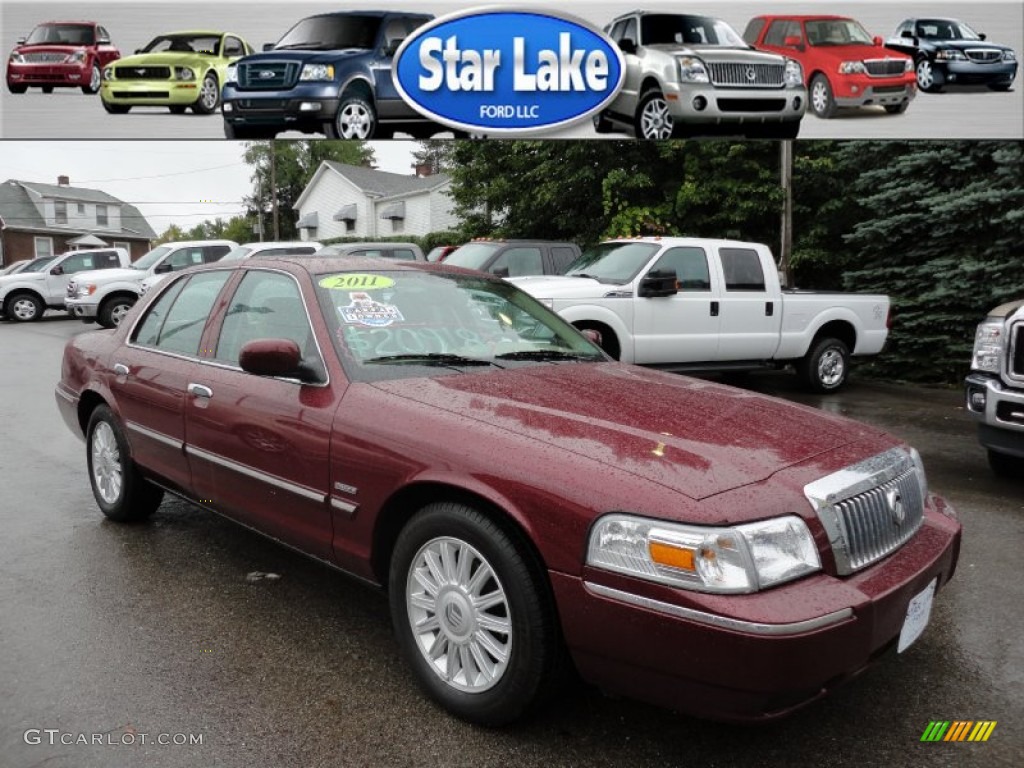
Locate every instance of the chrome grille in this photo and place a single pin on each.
(142, 73)
(984, 55)
(869, 510)
(885, 67)
(747, 75)
(1016, 366)
(268, 75)
(44, 58)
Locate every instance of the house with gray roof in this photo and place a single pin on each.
(354, 201)
(43, 219)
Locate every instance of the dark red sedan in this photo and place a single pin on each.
(61, 54)
(440, 433)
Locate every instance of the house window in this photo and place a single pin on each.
(398, 225)
(101, 215)
(44, 246)
(350, 226)
(60, 211)
(81, 209)
(126, 246)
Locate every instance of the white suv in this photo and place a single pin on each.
(108, 295)
(43, 284)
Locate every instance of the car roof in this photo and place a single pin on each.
(318, 265)
(804, 17)
(375, 14)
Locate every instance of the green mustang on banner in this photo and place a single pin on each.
(177, 70)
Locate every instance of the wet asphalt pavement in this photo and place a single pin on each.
(112, 633)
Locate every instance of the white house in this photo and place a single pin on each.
(353, 201)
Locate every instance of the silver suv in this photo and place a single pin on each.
(689, 74)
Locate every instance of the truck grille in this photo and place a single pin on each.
(869, 510)
(1016, 366)
(44, 58)
(747, 75)
(142, 73)
(751, 105)
(885, 67)
(268, 75)
(984, 55)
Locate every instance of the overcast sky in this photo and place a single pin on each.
(171, 182)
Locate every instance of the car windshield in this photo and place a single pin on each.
(668, 28)
(945, 29)
(613, 262)
(236, 254)
(151, 258)
(471, 255)
(208, 44)
(62, 34)
(837, 32)
(38, 265)
(328, 33)
(390, 324)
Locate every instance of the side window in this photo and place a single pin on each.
(215, 252)
(106, 260)
(518, 262)
(233, 46)
(148, 332)
(375, 253)
(778, 31)
(267, 305)
(753, 31)
(394, 33)
(185, 257)
(79, 263)
(630, 31)
(102, 33)
(562, 256)
(690, 265)
(404, 254)
(742, 268)
(183, 326)
(617, 29)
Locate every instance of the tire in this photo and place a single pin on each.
(248, 131)
(47, 89)
(17, 88)
(825, 367)
(823, 103)
(177, 109)
(609, 341)
(120, 490)
(652, 119)
(113, 311)
(24, 308)
(897, 109)
(95, 81)
(999, 86)
(929, 79)
(519, 619)
(356, 119)
(116, 109)
(602, 124)
(1005, 465)
(209, 96)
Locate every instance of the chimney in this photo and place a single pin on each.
(424, 169)
(63, 181)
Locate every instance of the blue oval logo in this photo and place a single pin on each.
(504, 71)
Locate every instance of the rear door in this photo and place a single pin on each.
(751, 311)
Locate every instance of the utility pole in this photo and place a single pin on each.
(786, 179)
(259, 208)
(273, 188)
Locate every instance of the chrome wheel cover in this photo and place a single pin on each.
(95, 79)
(655, 120)
(118, 312)
(355, 121)
(819, 96)
(459, 615)
(831, 367)
(210, 94)
(107, 478)
(24, 309)
(925, 78)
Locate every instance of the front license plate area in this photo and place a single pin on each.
(918, 613)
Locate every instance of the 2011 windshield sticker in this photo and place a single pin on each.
(363, 310)
(505, 71)
(351, 281)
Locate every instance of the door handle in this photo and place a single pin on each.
(121, 369)
(769, 308)
(714, 309)
(200, 391)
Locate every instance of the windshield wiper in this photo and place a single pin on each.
(544, 354)
(432, 358)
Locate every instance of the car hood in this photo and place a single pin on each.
(20, 277)
(695, 437)
(166, 59)
(840, 53)
(50, 48)
(109, 276)
(719, 53)
(564, 287)
(305, 57)
(968, 44)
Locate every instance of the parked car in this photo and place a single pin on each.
(386, 250)
(687, 73)
(441, 252)
(515, 258)
(683, 303)
(107, 296)
(520, 497)
(330, 74)
(61, 54)
(844, 66)
(17, 266)
(26, 295)
(178, 70)
(995, 388)
(949, 52)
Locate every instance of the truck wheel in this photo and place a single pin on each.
(823, 103)
(825, 366)
(24, 307)
(113, 311)
(897, 109)
(1005, 465)
(209, 96)
(356, 119)
(116, 109)
(120, 490)
(472, 615)
(928, 79)
(602, 124)
(609, 341)
(652, 119)
(95, 80)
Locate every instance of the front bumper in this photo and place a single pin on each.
(306, 106)
(59, 75)
(1001, 417)
(150, 93)
(704, 103)
(749, 657)
(974, 73)
(81, 308)
(863, 91)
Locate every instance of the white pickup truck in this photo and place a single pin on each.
(682, 303)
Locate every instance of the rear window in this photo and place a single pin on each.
(742, 268)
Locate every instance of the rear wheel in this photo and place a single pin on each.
(120, 490)
(113, 311)
(825, 367)
(116, 109)
(24, 307)
(1005, 465)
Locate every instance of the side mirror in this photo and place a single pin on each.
(876, 40)
(160, 269)
(982, 36)
(277, 357)
(139, 50)
(268, 46)
(627, 45)
(20, 41)
(390, 47)
(58, 270)
(500, 272)
(793, 41)
(658, 283)
(906, 34)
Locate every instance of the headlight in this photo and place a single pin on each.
(75, 58)
(692, 70)
(231, 74)
(742, 558)
(184, 73)
(108, 73)
(950, 54)
(988, 347)
(86, 289)
(17, 58)
(317, 72)
(853, 68)
(1009, 56)
(794, 73)
(908, 66)
(922, 480)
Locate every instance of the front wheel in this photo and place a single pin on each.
(120, 490)
(601, 123)
(95, 80)
(823, 103)
(653, 119)
(897, 109)
(24, 308)
(113, 311)
(928, 78)
(472, 614)
(16, 88)
(825, 366)
(116, 109)
(209, 96)
(356, 119)
(999, 86)
(47, 89)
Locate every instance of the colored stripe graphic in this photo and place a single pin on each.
(982, 730)
(935, 730)
(958, 730)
